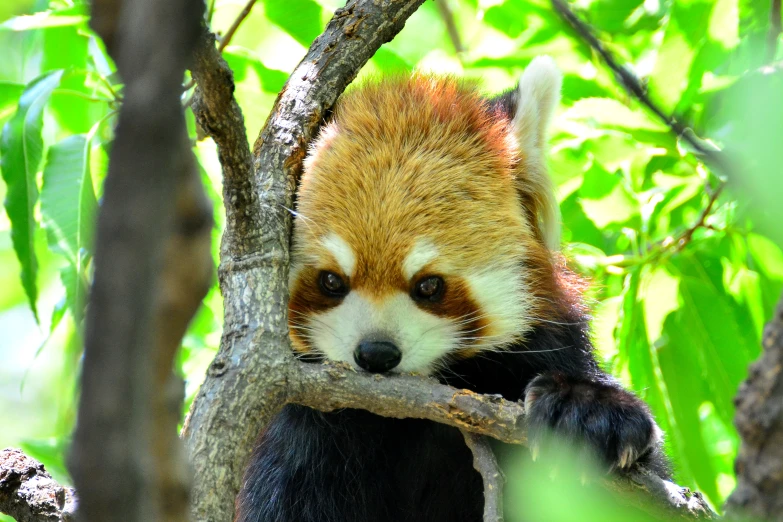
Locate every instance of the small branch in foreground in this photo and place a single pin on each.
(29, 494)
(683, 239)
(775, 29)
(220, 117)
(710, 155)
(447, 14)
(226, 38)
(486, 464)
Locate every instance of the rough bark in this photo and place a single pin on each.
(759, 419)
(486, 464)
(29, 494)
(152, 268)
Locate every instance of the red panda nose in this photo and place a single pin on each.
(377, 356)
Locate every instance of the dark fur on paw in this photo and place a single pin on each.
(616, 423)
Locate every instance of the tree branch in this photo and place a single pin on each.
(486, 464)
(226, 38)
(331, 387)
(245, 385)
(759, 420)
(29, 494)
(219, 116)
(447, 15)
(152, 268)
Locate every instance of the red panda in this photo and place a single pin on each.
(425, 241)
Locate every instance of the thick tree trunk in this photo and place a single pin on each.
(759, 492)
(152, 269)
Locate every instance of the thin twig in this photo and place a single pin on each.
(224, 41)
(451, 26)
(710, 155)
(686, 237)
(775, 29)
(486, 464)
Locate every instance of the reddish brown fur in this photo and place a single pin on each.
(420, 158)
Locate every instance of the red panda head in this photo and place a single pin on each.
(424, 221)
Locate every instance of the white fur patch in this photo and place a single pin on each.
(422, 338)
(504, 300)
(342, 252)
(423, 252)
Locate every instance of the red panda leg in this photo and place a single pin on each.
(616, 423)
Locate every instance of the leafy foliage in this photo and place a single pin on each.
(680, 301)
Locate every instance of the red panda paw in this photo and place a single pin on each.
(612, 421)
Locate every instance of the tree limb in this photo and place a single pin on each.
(29, 494)
(246, 385)
(219, 116)
(759, 420)
(152, 268)
(486, 464)
(447, 15)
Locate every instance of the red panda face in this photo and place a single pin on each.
(420, 228)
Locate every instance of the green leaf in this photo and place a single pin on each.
(241, 60)
(388, 61)
(71, 16)
(68, 207)
(21, 149)
(724, 23)
(606, 112)
(299, 18)
(684, 35)
(9, 95)
(605, 200)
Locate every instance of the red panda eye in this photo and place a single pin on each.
(429, 288)
(332, 284)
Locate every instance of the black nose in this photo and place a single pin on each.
(377, 356)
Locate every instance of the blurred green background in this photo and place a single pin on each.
(677, 321)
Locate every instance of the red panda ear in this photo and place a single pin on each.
(530, 106)
(538, 95)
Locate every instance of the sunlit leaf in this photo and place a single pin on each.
(605, 200)
(299, 18)
(21, 149)
(240, 60)
(68, 206)
(70, 16)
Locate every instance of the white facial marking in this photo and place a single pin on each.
(422, 338)
(423, 252)
(503, 298)
(342, 252)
